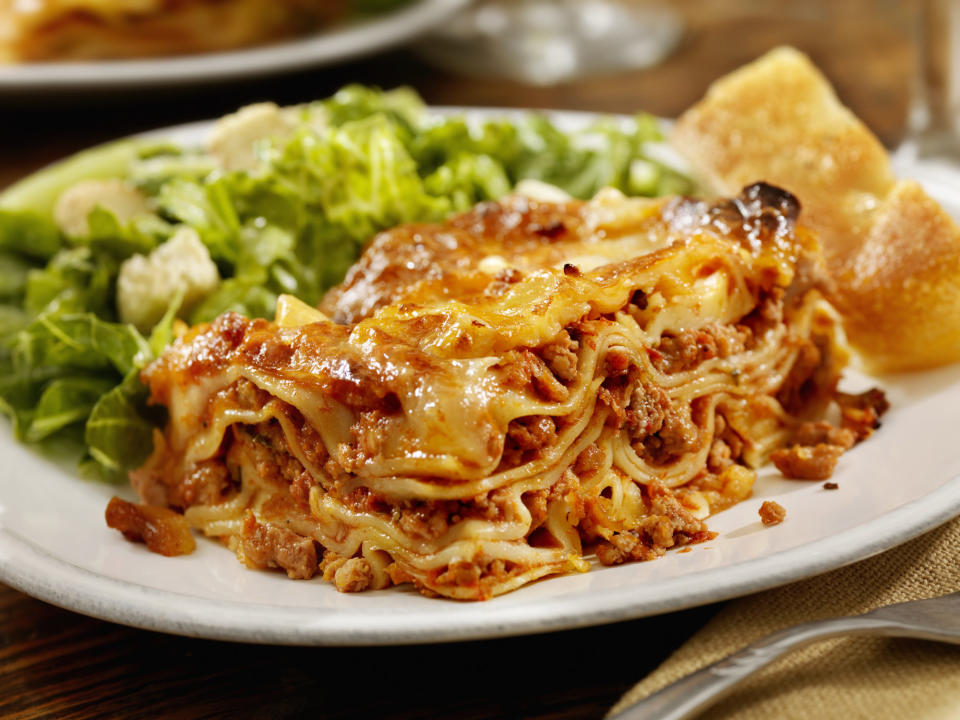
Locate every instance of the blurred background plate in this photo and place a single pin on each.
(340, 43)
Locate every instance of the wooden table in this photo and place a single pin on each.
(54, 663)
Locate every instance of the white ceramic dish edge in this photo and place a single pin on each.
(326, 47)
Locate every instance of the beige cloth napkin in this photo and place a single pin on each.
(848, 678)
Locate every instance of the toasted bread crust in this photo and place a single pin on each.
(892, 250)
(901, 299)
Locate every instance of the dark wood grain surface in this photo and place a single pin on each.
(56, 664)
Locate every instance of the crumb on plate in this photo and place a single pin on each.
(772, 513)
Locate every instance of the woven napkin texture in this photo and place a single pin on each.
(849, 678)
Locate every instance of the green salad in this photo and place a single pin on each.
(100, 254)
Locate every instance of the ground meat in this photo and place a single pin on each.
(796, 388)
(860, 414)
(398, 575)
(525, 436)
(536, 503)
(265, 447)
(350, 574)
(767, 314)
(588, 461)
(206, 484)
(722, 431)
(368, 433)
(617, 361)
(861, 423)
(269, 545)
(162, 530)
(677, 353)
(807, 463)
(608, 554)
(772, 513)
(423, 520)
(735, 442)
(624, 546)
(479, 574)
(647, 411)
(300, 488)
(666, 524)
(687, 349)
(615, 394)
(720, 456)
(561, 357)
(354, 575)
(814, 433)
(533, 432)
(337, 473)
(499, 570)
(731, 339)
(677, 436)
(461, 573)
(364, 500)
(523, 368)
(663, 503)
(873, 398)
(567, 491)
(770, 309)
(659, 530)
(724, 489)
(311, 444)
(249, 396)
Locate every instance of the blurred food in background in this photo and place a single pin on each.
(868, 49)
(547, 41)
(58, 30)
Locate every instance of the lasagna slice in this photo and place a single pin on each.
(498, 397)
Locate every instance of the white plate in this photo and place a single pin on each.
(55, 546)
(334, 45)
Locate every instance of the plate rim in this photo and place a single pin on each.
(324, 47)
(35, 571)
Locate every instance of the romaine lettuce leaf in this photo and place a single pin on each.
(13, 277)
(78, 342)
(65, 401)
(121, 240)
(119, 431)
(28, 233)
(38, 193)
(208, 208)
(76, 280)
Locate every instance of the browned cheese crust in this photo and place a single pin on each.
(892, 250)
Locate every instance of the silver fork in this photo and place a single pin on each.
(933, 619)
